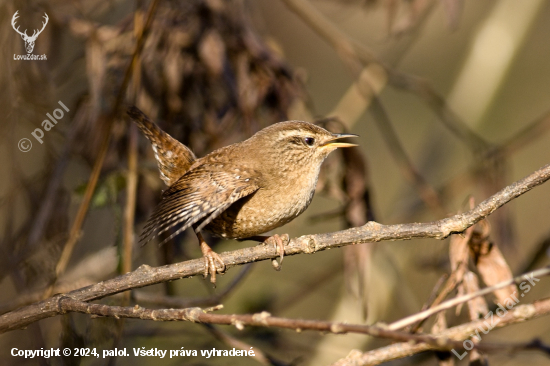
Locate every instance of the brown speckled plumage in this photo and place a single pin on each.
(241, 190)
(173, 157)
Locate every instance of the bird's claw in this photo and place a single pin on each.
(212, 258)
(279, 241)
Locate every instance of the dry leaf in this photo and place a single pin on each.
(477, 307)
(491, 264)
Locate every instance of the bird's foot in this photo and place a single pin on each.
(279, 241)
(211, 258)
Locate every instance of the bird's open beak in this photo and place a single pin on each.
(337, 136)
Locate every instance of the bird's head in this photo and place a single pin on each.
(297, 143)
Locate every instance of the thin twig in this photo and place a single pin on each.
(131, 175)
(521, 139)
(396, 351)
(263, 319)
(446, 340)
(130, 208)
(452, 281)
(47, 205)
(356, 55)
(426, 192)
(524, 137)
(74, 233)
(236, 343)
(465, 298)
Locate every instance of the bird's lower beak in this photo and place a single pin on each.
(335, 144)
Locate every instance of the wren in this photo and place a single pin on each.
(238, 191)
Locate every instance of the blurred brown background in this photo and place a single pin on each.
(214, 72)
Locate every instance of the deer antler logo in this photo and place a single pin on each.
(29, 41)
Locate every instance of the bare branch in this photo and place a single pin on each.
(447, 340)
(356, 55)
(231, 341)
(74, 234)
(395, 351)
(370, 232)
(462, 299)
(263, 319)
(426, 192)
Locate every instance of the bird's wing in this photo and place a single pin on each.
(202, 193)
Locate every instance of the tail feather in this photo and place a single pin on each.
(173, 158)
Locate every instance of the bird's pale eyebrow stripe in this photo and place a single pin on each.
(295, 139)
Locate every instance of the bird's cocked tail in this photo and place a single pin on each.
(173, 157)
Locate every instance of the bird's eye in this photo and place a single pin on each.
(309, 141)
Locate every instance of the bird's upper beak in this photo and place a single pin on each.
(335, 144)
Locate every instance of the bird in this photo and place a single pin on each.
(239, 191)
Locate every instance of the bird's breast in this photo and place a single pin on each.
(266, 209)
